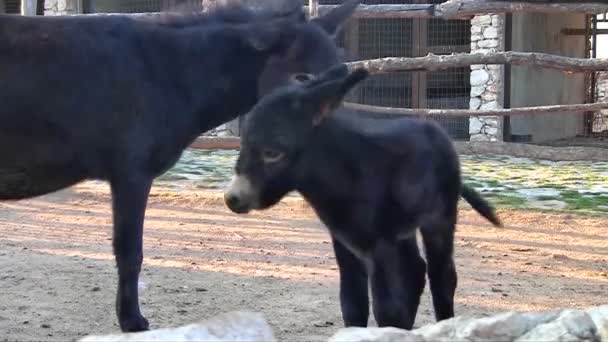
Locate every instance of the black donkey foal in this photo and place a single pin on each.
(372, 186)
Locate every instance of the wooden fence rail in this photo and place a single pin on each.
(452, 9)
(521, 111)
(437, 62)
(465, 9)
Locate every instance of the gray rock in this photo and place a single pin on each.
(233, 326)
(488, 130)
(491, 121)
(480, 137)
(488, 43)
(489, 96)
(502, 327)
(474, 103)
(490, 32)
(485, 51)
(599, 315)
(475, 125)
(496, 20)
(479, 77)
(490, 105)
(477, 91)
(375, 334)
(481, 20)
(571, 325)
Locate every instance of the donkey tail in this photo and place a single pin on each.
(480, 205)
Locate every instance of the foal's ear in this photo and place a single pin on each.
(328, 95)
(336, 18)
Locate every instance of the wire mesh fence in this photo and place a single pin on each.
(369, 38)
(10, 6)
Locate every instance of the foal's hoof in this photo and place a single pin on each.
(134, 324)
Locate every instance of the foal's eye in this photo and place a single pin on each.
(271, 156)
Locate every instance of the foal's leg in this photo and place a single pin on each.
(439, 249)
(398, 278)
(353, 287)
(129, 199)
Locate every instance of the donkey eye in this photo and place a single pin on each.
(271, 156)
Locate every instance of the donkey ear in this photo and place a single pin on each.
(335, 19)
(328, 95)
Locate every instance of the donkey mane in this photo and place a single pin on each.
(181, 16)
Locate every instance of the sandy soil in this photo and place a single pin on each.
(57, 276)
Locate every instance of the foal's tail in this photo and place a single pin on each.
(480, 204)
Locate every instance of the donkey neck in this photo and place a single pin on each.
(221, 78)
(334, 161)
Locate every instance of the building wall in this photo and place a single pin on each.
(61, 7)
(487, 35)
(600, 123)
(535, 86)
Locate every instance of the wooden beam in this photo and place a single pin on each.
(435, 62)
(234, 143)
(216, 143)
(313, 8)
(465, 9)
(387, 11)
(453, 9)
(523, 111)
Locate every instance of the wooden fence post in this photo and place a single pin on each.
(313, 8)
(28, 7)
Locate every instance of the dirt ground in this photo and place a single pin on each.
(57, 275)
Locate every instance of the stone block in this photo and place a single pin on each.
(497, 20)
(571, 325)
(490, 105)
(490, 32)
(475, 125)
(479, 77)
(387, 334)
(230, 327)
(488, 43)
(474, 103)
(489, 96)
(477, 91)
(479, 20)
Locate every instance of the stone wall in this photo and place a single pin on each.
(486, 80)
(61, 7)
